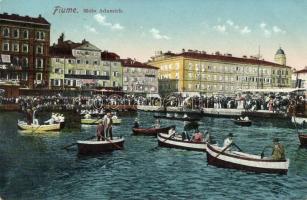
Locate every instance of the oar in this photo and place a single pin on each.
(70, 145)
(237, 147)
(163, 142)
(224, 150)
(262, 153)
(112, 142)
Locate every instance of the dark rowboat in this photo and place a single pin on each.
(87, 147)
(244, 161)
(151, 131)
(303, 139)
(164, 140)
(190, 119)
(243, 122)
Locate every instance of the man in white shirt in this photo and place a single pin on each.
(228, 141)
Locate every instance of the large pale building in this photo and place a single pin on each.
(139, 78)
(197, 71)
(83, 65)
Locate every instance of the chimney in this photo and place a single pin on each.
(39, 16)
(61, 39)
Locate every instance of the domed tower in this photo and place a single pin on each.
(280, 57)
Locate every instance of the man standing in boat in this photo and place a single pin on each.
(278, 152)
(107, 122)
(100, 131)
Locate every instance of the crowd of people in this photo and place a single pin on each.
(249, 102)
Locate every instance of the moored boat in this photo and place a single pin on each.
(303, 139)
(91, 121)
(244, 161)
(151, 131)
(38, 128)
(87, 147)
(242, 122)
(116, 121)
(165, 140)
(178, 118)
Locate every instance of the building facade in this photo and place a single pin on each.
(139, 78)
(83, 65)
(220, 74)
(299, 78)
(24, 50)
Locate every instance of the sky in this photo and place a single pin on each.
(143, 27)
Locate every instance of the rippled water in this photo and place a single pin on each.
(36, 166)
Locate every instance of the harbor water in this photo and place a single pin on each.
(35, 166)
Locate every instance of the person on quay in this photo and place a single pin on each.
(228, 141)
(136, 123)
(198, 136)
(100, 131)
(278, 152)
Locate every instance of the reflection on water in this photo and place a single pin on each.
(35, 166)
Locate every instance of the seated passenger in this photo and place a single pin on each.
(198, 136)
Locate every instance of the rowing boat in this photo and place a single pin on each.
(151, 131)
(244, 161)
(38, 128)
(242, 122)
(91, 121)
(177, 118)
(165, 140)
(86, 147)
(303, 139)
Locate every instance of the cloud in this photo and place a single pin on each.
(117, 27)
(101, 19)
(276, 29)
(267, 31)
(89, 28)
(220, 28)
(157, 35)
(229, 22)
(262, 25)
(245, 30)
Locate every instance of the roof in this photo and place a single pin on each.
(301, 71)
(105, 55)
(200, 55)
(24, 19)
(133, 63)
(63, 49)
(280, 51)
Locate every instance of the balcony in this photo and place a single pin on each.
(80, 76)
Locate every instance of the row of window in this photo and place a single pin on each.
(139, 79)
(78, 83)
(24, 34)
(137, 88)
(24, 62)
(203, 68)
(86, 72)
(15, 47)
(87, 62)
